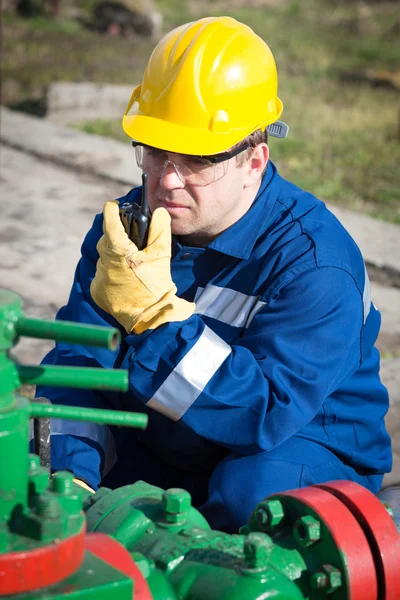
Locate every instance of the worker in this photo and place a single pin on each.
(247, 321)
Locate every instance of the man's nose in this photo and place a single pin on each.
(170, 177)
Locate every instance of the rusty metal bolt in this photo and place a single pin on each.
(307, 531)
(269, 514)
(257, 550)
(176, 503)
(327, 579)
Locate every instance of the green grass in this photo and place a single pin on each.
(344, 143)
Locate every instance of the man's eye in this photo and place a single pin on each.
(197, 161)
(156, 154)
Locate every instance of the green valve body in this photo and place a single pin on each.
(172, 542)
(13, 457)
(42, 525)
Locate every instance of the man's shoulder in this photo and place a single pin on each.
(302, 234)
(307, 218)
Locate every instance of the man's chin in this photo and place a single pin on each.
(180, 229)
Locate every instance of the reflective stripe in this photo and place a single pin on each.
(366, 295)
(187, 381)
(97, 433)
(226, 305)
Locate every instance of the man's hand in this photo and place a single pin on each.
(135, 286)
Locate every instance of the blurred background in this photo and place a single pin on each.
(338, 64)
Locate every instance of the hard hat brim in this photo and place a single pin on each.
(186, 140)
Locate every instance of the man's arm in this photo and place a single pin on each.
(256, 393)
(84, 448)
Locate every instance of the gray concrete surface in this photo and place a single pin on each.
(69, 102)
(82, 152)
(54, 180)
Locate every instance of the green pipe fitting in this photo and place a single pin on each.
(75, 377)
(75, 333)
(10, 311)
(95, 415)
(13, 324)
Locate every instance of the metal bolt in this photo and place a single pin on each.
(328, 579)
(257, 550)
(307, 531)
(176, 503)
(47, 506)
(63, 483)
(269, 513)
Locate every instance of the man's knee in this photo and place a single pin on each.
(239, 483)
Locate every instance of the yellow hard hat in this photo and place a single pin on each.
(207, 85)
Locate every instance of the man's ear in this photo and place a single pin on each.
(256, 164)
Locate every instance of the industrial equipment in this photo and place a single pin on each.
(333, 541)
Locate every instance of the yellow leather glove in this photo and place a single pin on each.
(84, 485)
(135, 286)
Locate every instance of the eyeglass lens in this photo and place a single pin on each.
(194, 170)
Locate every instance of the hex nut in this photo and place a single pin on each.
(269, 513)
(328, 578)
(307, 531)
(176, 503)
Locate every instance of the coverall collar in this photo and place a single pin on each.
(239, 239)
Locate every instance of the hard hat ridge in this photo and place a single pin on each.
(207, 85)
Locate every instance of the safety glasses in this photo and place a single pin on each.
(191, 169)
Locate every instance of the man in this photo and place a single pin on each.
(250, 339)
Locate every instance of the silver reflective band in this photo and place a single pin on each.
(189, 378)
(226, 305)
(366, 295)
(279, 129)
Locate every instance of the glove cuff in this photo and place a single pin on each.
(169, 308)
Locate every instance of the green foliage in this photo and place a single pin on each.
(107, 128)
(344, 143)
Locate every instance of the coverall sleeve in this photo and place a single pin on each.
(87, 449)
(257, 392)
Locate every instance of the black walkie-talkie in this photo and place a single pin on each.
(136, 219)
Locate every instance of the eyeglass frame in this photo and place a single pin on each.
(213, 158)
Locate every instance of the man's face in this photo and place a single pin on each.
(200, 213)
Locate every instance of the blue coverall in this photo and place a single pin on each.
(272, 384)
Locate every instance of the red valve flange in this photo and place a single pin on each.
(379, 529)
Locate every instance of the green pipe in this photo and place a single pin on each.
(87, 335)
(74, 377)
(95, 415)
